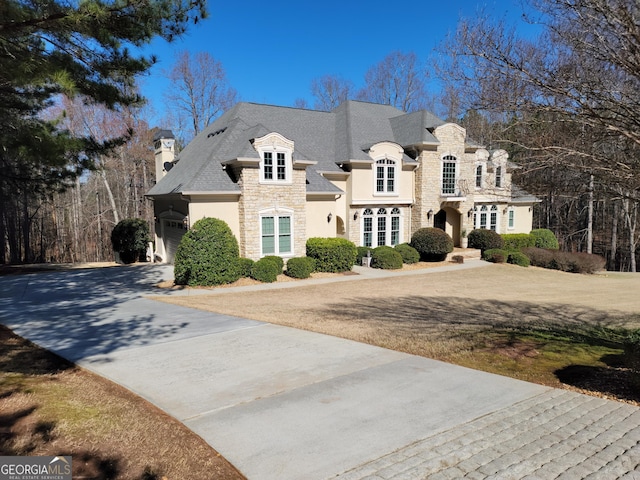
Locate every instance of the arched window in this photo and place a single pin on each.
(382, 227)
(385, 176)
(498, 177)
(479, 176)
(483, 217)
(493, 224)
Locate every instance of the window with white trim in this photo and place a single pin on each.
(449, 169)
(493, 223)
(511, 218)
(276, 234)
(381, 227)
(385, 176)
(276, 163)
(483, 217)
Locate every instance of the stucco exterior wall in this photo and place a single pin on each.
(317, 211)
(221, 207)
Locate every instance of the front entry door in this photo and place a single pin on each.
(440, 220)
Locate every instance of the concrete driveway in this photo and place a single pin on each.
(281, 403)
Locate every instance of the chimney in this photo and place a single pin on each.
(164, 143)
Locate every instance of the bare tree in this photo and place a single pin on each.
(398, 80)
(330, 91)
(198, 92)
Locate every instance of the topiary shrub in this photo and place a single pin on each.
(130, 238)
(386, 258)
(244, 266)
(207, 255)
(409, 254)
(265, 270)
(332, 254)
(484, 239)
(432, 244)
(518, 258)
(545, 239)
(495, 255)
(277, 260)
(300, 267)
(518, 241)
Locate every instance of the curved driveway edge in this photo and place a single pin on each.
(281, 403)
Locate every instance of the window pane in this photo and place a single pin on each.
(494, 221)
(282, 171)
(268, 238)
(395, 230)
(380, 179)
(284, 234)
(483, 220)
(268, 165)
(448, 178)
(390, 179)
(499, 177)
(479, 176)
(511, 218)
(382, 230)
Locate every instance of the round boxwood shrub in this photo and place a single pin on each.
(130, 238)
(300, 267)
(518, 258)
(244, 266)
(408, 253)
(433, 244)
(484, 239)
(545, 239)
(277, 260)
(332, 254)
(265, 270)
(386, 258)
(207, 255)
(495, 255)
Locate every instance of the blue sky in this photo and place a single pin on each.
(271, 51)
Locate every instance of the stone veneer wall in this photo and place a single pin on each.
(256, 197)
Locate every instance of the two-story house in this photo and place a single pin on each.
(366, 172)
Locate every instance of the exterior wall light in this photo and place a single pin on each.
(430, 213)
(470, 212)
(355, 216)
(329, 217)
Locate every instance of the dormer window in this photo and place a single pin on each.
(275, 158)
(274, 168)
(499, 177)
(385, 176)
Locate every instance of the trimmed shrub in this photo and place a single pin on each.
(300, 267)
(545, 239)
(244, 266)
(408, 253)
(207, 255)
(484, 239)
(265, 270)
(332, 254)
(518, 241)
(518, 258)
(386, 258)
(432, 244)
(495, 255)
(130, 238)
(277, 260)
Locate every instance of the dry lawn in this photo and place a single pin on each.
(500, 318)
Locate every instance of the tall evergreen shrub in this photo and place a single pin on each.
(208, 254)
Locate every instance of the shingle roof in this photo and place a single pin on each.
(327, 138)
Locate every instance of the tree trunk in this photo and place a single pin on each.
(614, 237)
(590, 217)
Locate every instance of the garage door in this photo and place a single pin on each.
(173, 231)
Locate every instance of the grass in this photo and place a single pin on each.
(51, 407)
